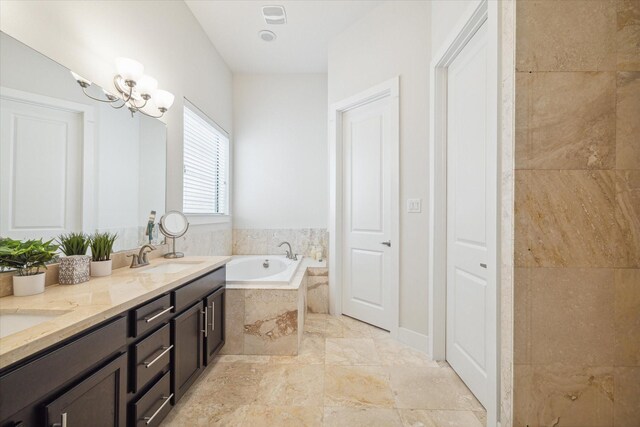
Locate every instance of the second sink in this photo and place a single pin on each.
(169, 267)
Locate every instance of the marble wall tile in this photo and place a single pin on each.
(547, 395)
(628, 34)
(570, 315)
(566, 219)
(628, 119)
(626, 409)
(318, 294)
(566, 120)
(628, 216)
(203, 240)
(271, 322)
(569, 35)
(522, 316)
(266, 241)
(234, 322)
(627, 318)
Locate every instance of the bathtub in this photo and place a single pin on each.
(262, 272)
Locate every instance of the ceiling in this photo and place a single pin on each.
(301, 44)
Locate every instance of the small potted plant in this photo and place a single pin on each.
(101, 248)
(27, 258)
(74, 267)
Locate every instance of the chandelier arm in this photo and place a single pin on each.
(151, 115)
(84, 90)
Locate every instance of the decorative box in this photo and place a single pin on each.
(74, 269)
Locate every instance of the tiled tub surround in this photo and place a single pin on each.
(268, 318)
(317, 281)
(577, 214)
(90, 303)
(265, 241)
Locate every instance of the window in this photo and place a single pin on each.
(206, 165)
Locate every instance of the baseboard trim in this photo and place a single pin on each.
(413, 339)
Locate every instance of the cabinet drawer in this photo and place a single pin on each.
(155, 404)
(198, 289)
(151, 314)
(34, 380)
(151, 356)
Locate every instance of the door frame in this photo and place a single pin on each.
(477, 14)
(88, 144)
(388, 89)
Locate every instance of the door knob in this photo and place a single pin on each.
(387, 243)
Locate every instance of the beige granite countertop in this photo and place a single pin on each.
(90, 303)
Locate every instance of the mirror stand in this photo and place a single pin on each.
(174, 224)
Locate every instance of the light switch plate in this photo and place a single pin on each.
(414, 205)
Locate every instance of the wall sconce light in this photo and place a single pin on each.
(135, 89)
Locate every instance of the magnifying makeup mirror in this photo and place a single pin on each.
(174, 224)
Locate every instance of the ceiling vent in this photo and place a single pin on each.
(274, 15)
(267, 36)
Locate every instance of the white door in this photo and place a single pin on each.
(367, 138)
(41, 164)
(471, 217)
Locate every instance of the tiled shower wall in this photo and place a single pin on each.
(248, 241)
(577, 214)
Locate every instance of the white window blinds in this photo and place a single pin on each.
(206, 160)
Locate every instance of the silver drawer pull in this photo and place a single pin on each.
(155, 316)
(166, 350)
(206, 321)
(166, 399)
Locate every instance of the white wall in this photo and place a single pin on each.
(394, 39)
(280, 159)
(445, 14)
(87, 36)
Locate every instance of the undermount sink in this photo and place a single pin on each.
(10, 323)
(169, 267)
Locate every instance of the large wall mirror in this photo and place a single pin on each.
(68, 163)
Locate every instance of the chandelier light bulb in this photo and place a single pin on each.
(81, 80)
(146, 85)
(163, 99)
(129, 70)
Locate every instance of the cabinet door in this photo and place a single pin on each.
(97, 401)
(214, 310)
(187, 333)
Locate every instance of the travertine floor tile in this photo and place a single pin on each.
(351, 351)
(352, 389)
(393, 353)
(311, 352)
(292, 385)
(357, 386)
(430, 388)
(370, 417)
(283, 416)
(439, 418)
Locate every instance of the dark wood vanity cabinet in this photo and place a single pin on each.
(214, 316)
(187, 329)
(128, 371)
(97, 401)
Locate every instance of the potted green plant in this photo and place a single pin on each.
(101, 248)
(74, 267)
(27, 258)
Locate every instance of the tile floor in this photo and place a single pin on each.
(348, 373)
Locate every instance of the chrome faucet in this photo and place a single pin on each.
(290, 254)
(140, 259)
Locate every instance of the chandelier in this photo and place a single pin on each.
(135, 89)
